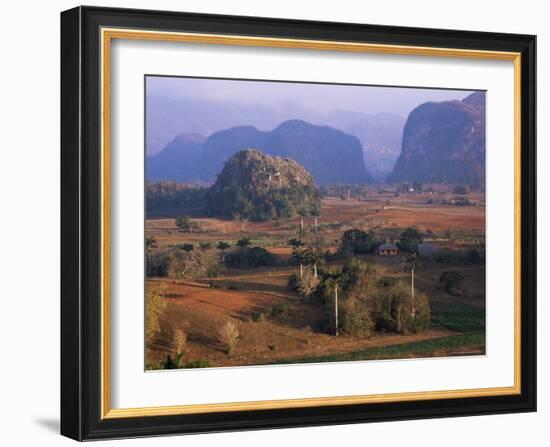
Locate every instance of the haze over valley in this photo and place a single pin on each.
(188, 138)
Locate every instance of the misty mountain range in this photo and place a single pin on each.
(440, 141)
(330, 155)
(379, 134)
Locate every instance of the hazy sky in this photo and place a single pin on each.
(322, 98)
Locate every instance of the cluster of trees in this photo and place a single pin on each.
(357, 242)
(250, 258)
(191, 264)
(452, 282)
(362, 301)
(186, 225)
(183, 262)
(165, 197)
(189, 261)
(376, 303)
(154, 306)
(409, 240)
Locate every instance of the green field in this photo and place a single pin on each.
(428, 348)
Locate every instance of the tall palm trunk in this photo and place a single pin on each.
(413, 310)
(336, 308)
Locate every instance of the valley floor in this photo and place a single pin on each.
(253, 299)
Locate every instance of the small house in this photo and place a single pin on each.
(387, 250)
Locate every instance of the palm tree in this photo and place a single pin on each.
(298, 253)
(334, 278)
(243, 242)
(316, 213)
(302, 213)
(299, 256)
(205, 245)
(188, 247)
(313, 256)
(412, 262)
(295, 242)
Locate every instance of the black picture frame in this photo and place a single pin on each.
(81, 223)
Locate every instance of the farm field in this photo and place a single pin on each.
(279, 325)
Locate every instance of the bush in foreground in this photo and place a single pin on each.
(228, 335)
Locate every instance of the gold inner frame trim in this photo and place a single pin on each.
(107, 35)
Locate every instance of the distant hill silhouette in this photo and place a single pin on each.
(330, 155)
(444, 142)
(178, 160)
(167, 117)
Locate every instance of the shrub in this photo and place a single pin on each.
(396, 310)
(228, 335)
(187, 247)
(292, 283)
(308, 283)
(354, 270)
(157, 264)
(409, 240)
(356, 318)
(192, 264)
(258, 316)
(186, 225)
(360, 281)
(179, 340)
(201, 363)
(249, 258)
(175, 362)
(243, 242)
(452, 282)
(154, 306)
(473, 256)
(279, 309)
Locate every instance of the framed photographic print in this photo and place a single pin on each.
(276, 223)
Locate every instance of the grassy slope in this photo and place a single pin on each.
(425, 348)
(458, 317)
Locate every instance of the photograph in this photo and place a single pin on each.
(272, 221)
(296, 222)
